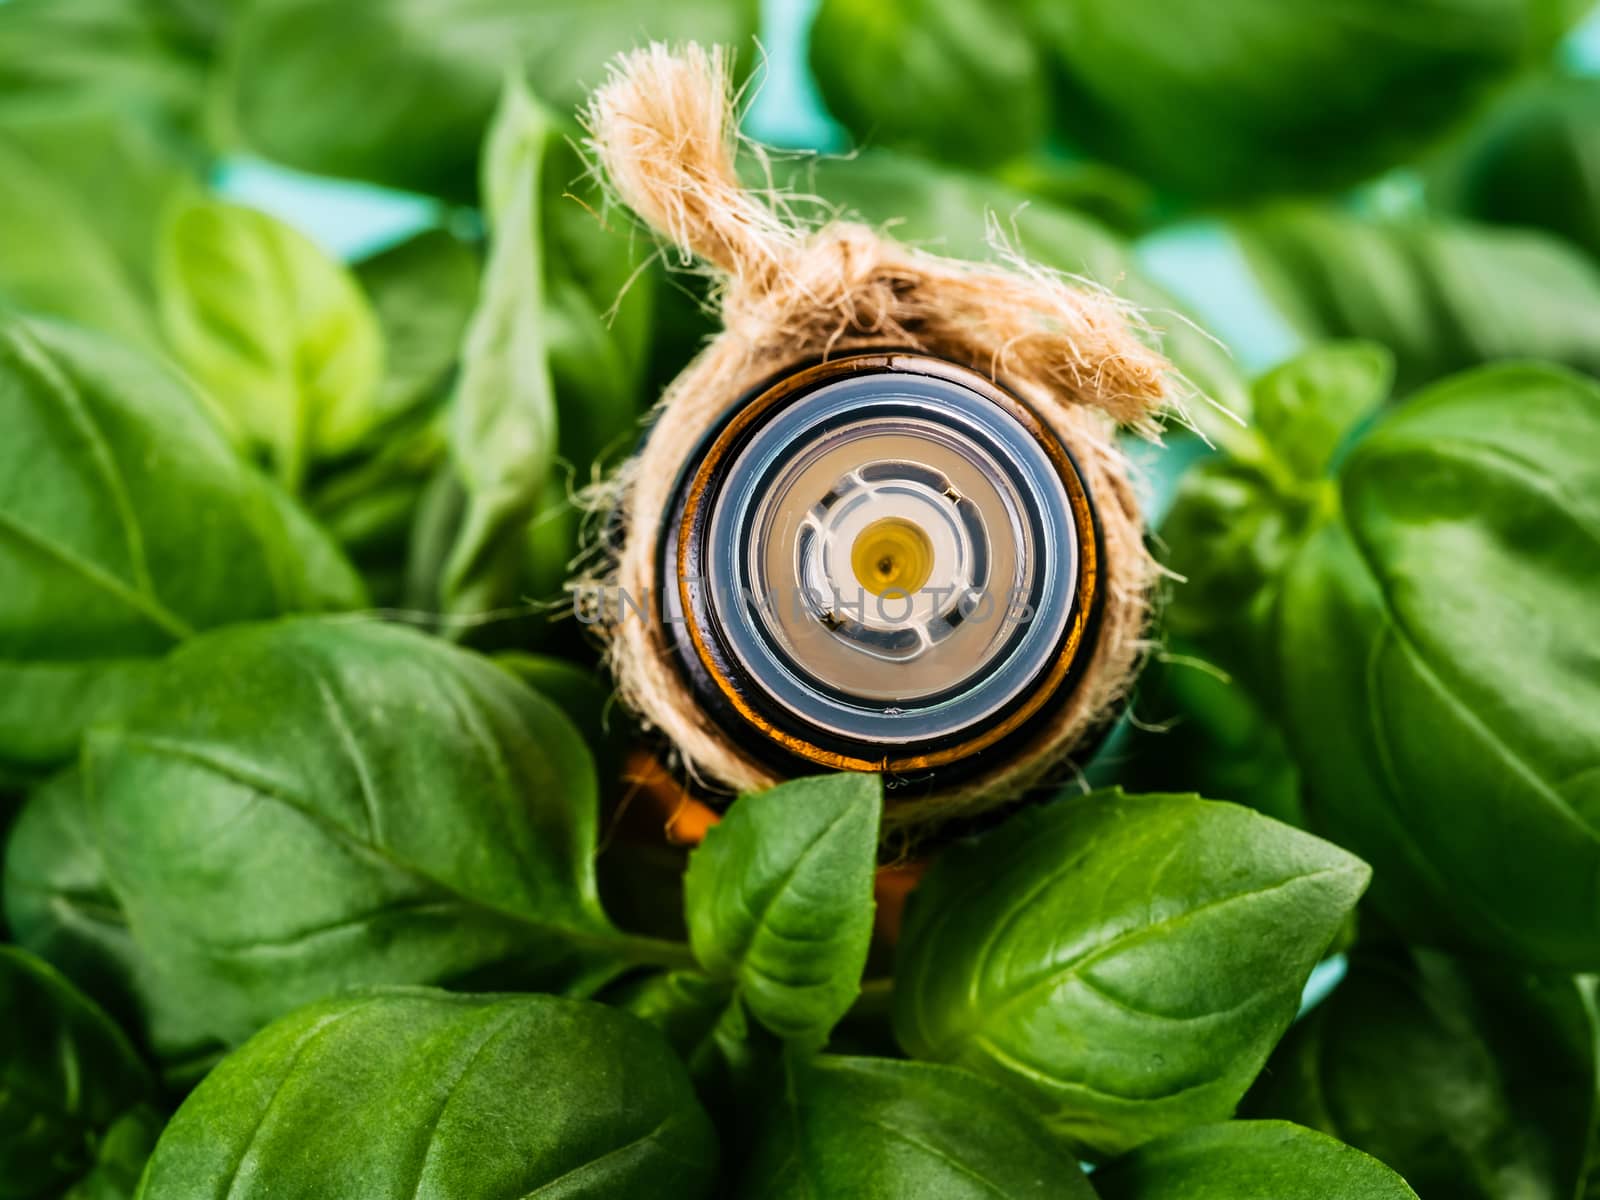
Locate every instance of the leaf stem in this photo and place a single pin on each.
(639, 949)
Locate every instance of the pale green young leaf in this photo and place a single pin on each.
(503, 417)
(277, 333)
(1308, 406)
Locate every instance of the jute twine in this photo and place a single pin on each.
(663, 131)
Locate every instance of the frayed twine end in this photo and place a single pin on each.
(663, 130)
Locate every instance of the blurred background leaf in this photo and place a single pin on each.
(423, 291)
(1214, 102)
(1199, 730)
(110, 54)
(1248, 97)
(279, 335)
(93, 153)
(67, 1074)
(551, 377)
(399, 91)
(1535, 161)
(1442, 294)
(959, 80)
(56, 262)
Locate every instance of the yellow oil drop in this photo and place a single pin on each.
(892, 554)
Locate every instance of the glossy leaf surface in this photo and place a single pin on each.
(1124, 962)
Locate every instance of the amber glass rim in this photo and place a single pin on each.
(738, 702)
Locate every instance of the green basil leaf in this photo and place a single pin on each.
(274, 330)
(199, 25)
(1473, 1081)
(1217, 101)
(1443, 295)
(1230, 533)
(412, 1091)
(434, 525)
(423, 291)
(599, 312)
(60, 906)
(1249, 1160)
(930, 77)
(1532, 163)
(950, 213)
(1306, 408)
(405, 99)
(503, 416)
(1126, 962)
(887, 1129)
(1237, 521)
(90, 151)
(1438, 669)
(377, 805)
(779, 898)
(1113, 197)
(370, 505)
(126, 523)
(56, 262)
(66, 1074)
(546, 373)
(58, 54)
(57, 902)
